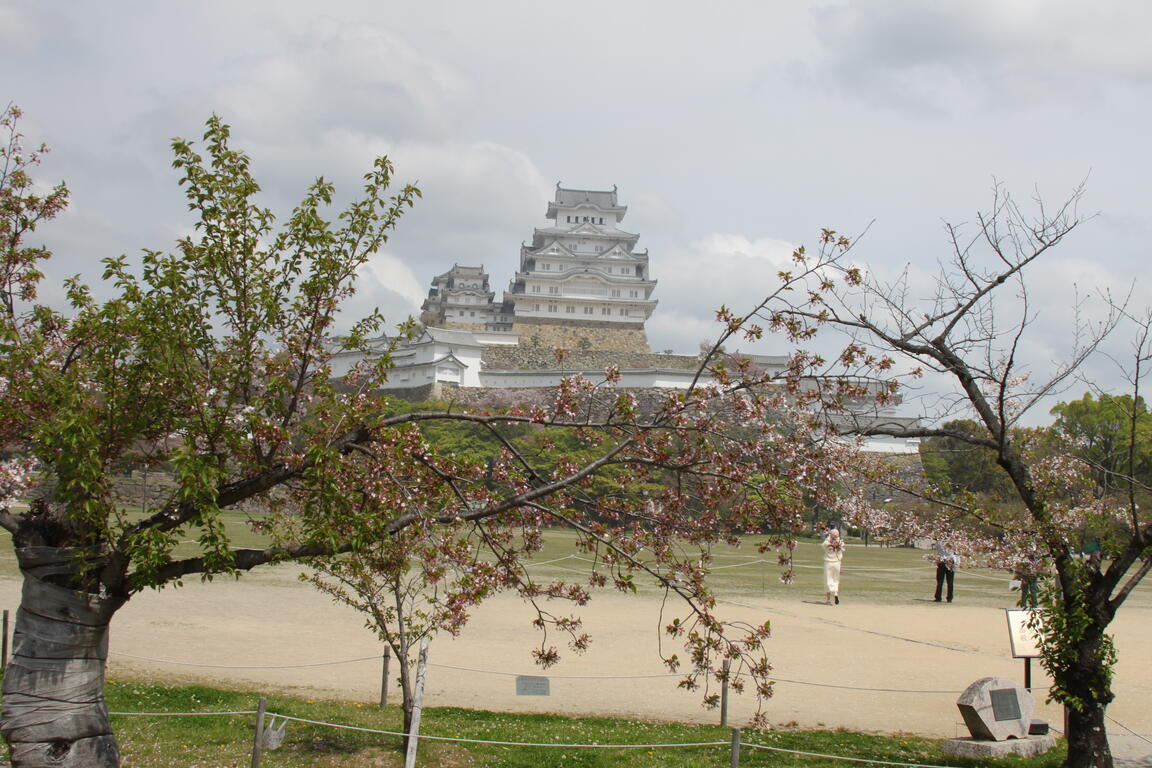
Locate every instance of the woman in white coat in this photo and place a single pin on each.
(833, 547)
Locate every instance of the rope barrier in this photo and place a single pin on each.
(243, 666)
(840, 757)
(558, 677)
(500, 673)
(549, 562)
(183, 714)
(860, 688)
(423, 737)
(677, 674)
(581, 746)
(339, 726)
(855, 569)
(877, 690)
(1137, 735)
(762, 561)
(547, 745)
(839, 625)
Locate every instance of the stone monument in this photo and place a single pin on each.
(998, 713)
(996, 709)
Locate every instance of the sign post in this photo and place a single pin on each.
(1025, 644)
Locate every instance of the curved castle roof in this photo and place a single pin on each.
(602, 200)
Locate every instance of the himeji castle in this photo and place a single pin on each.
(581, 283)
(581, 287)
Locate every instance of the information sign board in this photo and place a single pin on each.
(1025, 644)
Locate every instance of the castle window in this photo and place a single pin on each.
(551, 307)
(605, 310)
(535, 307)
(535, 289)
(587, 310)
(615, 293)
(553, 289)
(570, 309)
(633, 294)
(623, 311)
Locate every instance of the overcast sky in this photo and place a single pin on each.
(733, 130)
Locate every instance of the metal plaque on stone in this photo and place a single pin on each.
(532, 685)
(1005, 704)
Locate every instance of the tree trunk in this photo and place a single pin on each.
(54, 714)
(405, 693)
(1088, 738)
(1087, 679)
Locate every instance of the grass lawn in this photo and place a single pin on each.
(872, 574)
(162, 742)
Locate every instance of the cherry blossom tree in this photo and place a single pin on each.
(211, 363)
(407, 591)
(961, 345)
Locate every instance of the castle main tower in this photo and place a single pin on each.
(580, 284)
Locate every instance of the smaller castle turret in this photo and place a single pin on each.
(461, 298)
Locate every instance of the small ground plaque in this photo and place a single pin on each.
(531, 685)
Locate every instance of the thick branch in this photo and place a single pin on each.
(1133, 551)
(1130, 585)
(247, 559)
(8, 521)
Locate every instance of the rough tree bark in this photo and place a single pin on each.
(54, 712)
(1088, 737)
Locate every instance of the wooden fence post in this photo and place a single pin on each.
(257, 742)
(724, 694)
(384, 677)
(4, 652)
(735, 748)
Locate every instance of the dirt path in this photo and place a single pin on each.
(864, 667)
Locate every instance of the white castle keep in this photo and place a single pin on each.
(581, 283)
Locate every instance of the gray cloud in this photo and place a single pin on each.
(733, 131)
(944, 58)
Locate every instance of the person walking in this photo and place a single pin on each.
(946, 564)
(833, 547)
(1028, 575)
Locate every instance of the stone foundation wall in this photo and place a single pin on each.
(481, 398)
(586, 336)
(521, 358)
